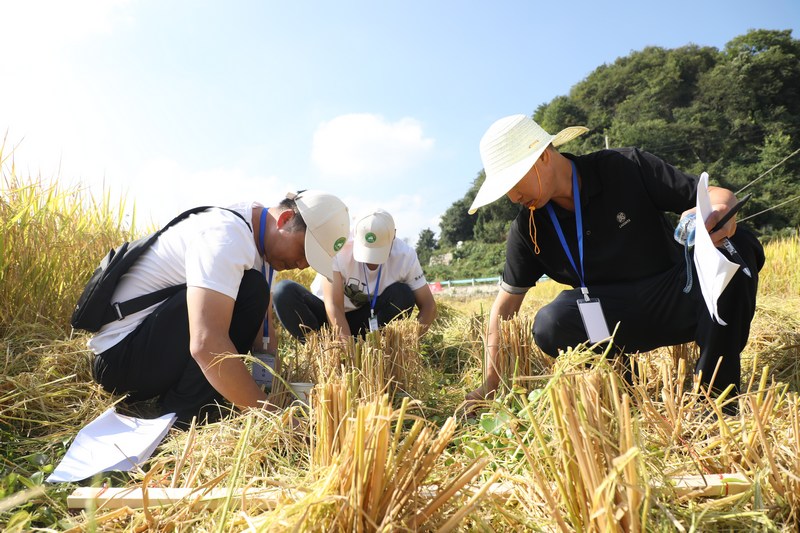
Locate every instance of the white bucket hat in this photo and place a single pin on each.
(327, 226)
(373, 238)
(509, 148)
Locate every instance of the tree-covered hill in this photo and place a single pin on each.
(734, 113)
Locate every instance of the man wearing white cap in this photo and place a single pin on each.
(597, 223)
(175, 349)
(376, 277)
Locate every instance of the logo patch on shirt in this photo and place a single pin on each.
(355, 290)
(622, 219)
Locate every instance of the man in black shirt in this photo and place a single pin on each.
(597, 223)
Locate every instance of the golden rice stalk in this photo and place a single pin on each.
(518, 356)
(332, 404)
(775, 339)
(400, 343)
(316, 361)
(372, 368)
(585, 463)
(662, 397)
(306, 359)
(772, 445)
(384, 361)
(42, 287)
(789, 450)
(46, 387)
(115, 520)
(694, 437)
(374, 477)
(780, 275)
(460, 334)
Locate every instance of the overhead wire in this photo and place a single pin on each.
(748, 217)
(770, 170)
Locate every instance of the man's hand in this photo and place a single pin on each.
(721, 201)
(333, 296)
(427, 307)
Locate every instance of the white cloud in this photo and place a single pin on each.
(361, 145)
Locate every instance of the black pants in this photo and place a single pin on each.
(154, 360)
(300, 311)
(655, 312)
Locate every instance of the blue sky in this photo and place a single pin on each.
(181, 103)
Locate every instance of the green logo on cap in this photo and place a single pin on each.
(370, 237)
(338, 244)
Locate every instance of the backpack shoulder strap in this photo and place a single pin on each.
(194, 211)
(119, 310)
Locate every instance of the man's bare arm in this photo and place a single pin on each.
(333, 296)
(504, 307)
(210, 314)
(426, 305)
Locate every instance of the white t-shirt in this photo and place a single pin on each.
(359, 281)
(211, 250)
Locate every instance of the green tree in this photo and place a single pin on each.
(494, 220)
(456, 223)
(489, 224)
(426, 244)
(700, 109)
(778, 184)
(749, 109)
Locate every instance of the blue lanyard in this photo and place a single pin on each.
(261, 230)
(374, 297)
(579, 223)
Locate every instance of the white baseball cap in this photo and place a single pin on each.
(373, 237)
(509, 148)
(327, 227)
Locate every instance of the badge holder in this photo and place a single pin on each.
(594, 322)
(373, 320)
(261, 375)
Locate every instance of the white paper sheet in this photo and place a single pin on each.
(714, 271)
(111, 442)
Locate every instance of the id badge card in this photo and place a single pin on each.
(264, 343)
(373, 322)
(593, 319)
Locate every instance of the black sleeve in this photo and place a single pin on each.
(670, 189)
(521, 269)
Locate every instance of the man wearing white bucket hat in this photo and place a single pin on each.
(213, 265)
(376, 277)
(597, 223)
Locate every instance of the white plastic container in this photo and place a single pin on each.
(302, 391)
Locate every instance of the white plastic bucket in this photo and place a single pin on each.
(302, 391)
